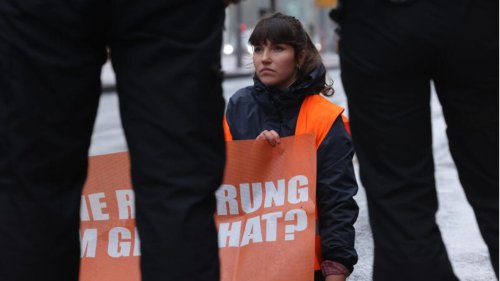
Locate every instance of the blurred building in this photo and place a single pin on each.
(241, 18)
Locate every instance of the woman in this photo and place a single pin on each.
(289, 76)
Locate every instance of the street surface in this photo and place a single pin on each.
(461, 235)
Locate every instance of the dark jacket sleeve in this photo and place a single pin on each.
(336, 187)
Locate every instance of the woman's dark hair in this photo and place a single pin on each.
(278, 28)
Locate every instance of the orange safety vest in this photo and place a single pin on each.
(316, 115)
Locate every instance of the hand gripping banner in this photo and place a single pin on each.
(265, 214)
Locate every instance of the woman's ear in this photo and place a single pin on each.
(301, 58)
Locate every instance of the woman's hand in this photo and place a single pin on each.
(336, 277)
(271, 136)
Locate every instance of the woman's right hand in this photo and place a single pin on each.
(271, 136)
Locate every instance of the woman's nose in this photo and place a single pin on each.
(266, 56)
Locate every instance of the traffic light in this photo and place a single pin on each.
(326, 3)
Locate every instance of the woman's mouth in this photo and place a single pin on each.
(266, 70)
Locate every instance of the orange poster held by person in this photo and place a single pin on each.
(265, 214)
(266, 210)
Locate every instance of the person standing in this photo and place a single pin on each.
(284, 101)
(390, 53)
(166, 55)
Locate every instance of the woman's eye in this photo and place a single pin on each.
(257, 49)
(278, 48)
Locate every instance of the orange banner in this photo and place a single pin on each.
(265, 214)
(110, 247)
(265, 211)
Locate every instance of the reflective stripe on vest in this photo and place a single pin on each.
(317, 116)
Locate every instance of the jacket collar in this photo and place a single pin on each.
(286, 101)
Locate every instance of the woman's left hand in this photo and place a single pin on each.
(271, 136)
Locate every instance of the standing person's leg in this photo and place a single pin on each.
(50, 62)
(386, 52)
(166, 55)
(467, 86)
(391, 128)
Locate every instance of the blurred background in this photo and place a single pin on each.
(240, 20)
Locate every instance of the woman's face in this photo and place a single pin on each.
(275, 64)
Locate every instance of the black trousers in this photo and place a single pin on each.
(166, 55)
(389, 54)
